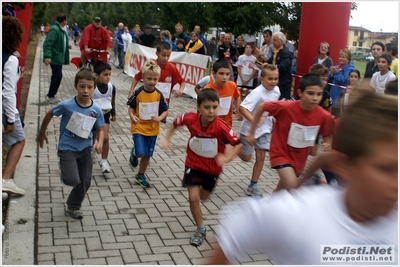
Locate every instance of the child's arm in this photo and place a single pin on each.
(100, 138)
(250, 138)
(324, 161)
(133, 85)
(161, 117)
(113, 113)
(246, 114)
(134, 119)
(42, 132)
(238, 113)
(165, 143)
(222, 159)
(180, 91)
(327, 143)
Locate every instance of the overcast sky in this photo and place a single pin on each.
(376, 15)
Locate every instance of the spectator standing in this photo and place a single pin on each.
(240, 45)
(377, 49)
(180, 45)
(201, 37)
(56, 54)
(180, 34)
(282, 58)
(76, 32)
(147, 39)
(381, 78)
(42, 30)
(126, 38)
(392, 50)
(267, 35)
(195, 45)
(165, 36)
(13, 132)
(120, 32)
(323, 57)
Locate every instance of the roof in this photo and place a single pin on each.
(380, 35)
(356, 28)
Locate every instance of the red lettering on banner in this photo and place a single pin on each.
(137, 61)
(190, 74)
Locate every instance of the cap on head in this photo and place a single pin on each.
(147, 26)
(97, 19)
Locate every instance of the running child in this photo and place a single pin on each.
(147, 108)
(104, 96)
(246, 71)
(205, 152)
(297, 125)
(78, 116)
(227, 91)
(266, 91)
(381, 78)
(298, 228)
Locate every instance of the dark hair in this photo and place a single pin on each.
(392, 47)
(163, 45)
(101, 66)
(380, 44)
(392, 87)
(267, 31)
(86, 74)
(12, 34)
(356, 71)
(207, 94)
(180, 41)
(319, 69)
(387, 57)
(370, 117)
(310, 79)
(283, 31)
(221, 63)
(61, 17)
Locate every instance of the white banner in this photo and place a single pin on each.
(192, 67)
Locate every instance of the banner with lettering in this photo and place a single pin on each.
(193, 67)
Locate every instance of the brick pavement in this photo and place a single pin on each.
(124, 223)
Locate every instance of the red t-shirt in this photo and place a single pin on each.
(228, 90)
(216, 129)
(285, 113)
(169, 74)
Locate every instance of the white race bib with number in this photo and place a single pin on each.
(148, 110)
(224, 105)
(165, 89)
(104, 103)
(80, 124)
(204, 147)
(301, 136)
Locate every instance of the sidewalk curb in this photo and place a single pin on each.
(21, 217)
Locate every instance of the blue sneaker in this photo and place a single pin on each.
(133, 160)
(142, 181)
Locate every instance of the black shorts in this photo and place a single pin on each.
(281, 166)
(76, 34)
(206, 180)
(107, 117)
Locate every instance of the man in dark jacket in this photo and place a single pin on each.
(56, 53)
(282, 58)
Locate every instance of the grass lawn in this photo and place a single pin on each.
(360, 66)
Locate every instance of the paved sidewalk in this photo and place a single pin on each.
(123, 223)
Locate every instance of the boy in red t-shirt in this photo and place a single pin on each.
(170, 75)
(297, 125)
(227, 91)
(206, 153)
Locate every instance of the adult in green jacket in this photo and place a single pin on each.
(56, 53)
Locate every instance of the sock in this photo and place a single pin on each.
(103, 161)
(252, 184)
(202, 228)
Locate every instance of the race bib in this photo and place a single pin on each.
(165, 89)
(204, 147)
(148, 110)
(103, 103)
(224, 105)
(80, 124)
(301, 136)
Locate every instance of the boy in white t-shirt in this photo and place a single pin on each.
(381, 78)
(296, 227)
(266, 91)
(246, 70)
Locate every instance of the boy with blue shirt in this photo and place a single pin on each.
(79, 115)
(147, 108)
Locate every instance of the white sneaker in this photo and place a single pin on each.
(5, 196)
(105, 167)
(11, 187)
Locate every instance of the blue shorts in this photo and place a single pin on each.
(144, 145)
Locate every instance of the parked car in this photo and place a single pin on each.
(357, 55)
(369, 57)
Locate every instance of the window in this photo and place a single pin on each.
(354, 43)
(355, 33)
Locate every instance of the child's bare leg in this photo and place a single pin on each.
(258, 165)
(194, 201)
(144, 162)
(106, 143)
(287, 179)
(13, 156)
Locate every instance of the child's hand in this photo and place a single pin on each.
(98, 147)
(326, 147)
(250, 139)
(177, 93)
(134, 119)
(113, 118)
(40, 138)
(165, 145)
(221, 159)
(10, 129)
(155, 119)
(238, 116)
